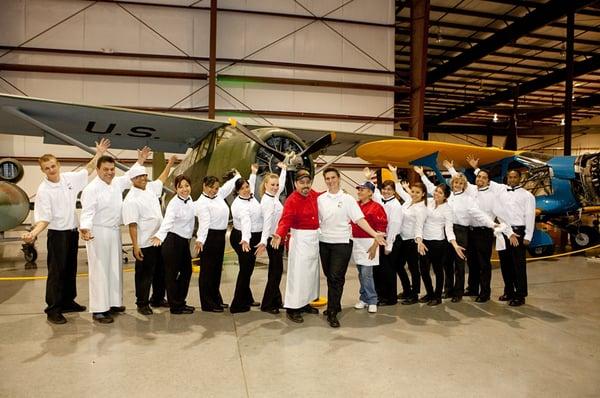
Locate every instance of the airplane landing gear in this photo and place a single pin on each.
(29, 252)
(583, 236)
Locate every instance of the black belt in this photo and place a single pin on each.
(517, 227)
(460, 226)
(480, 228)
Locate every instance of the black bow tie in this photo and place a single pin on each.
(483, 189)
(183, 200)
(387, 200)
(513, 189)
(268, 194)
(458, 193)
(248, 198)
(206, 196)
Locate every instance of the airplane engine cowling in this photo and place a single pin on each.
(14, 205)
(589, 174)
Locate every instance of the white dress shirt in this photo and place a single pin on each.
(142, 207)
(520, 210)
(393, 211)
(335, 213)
(55, 201)
(247, 216)
(179, 218)
(438, 225)
(213, 213)
(101, 202)
(413, 215)
(272, 208)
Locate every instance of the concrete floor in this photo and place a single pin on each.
(547, 348)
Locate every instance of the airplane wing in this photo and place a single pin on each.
(344, 141)
(126, 128)
(406, 153)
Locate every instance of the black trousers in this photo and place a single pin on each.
(242, 297)
(409, 254)
(334, 260)
(178, 269)
(462, 238)
(211, 268)
(437, 251)
(272, 296)
(513, 265)
(149, 272)
(481, 241)
(385, 274)
(61, 288)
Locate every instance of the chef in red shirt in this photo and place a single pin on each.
(300, 216)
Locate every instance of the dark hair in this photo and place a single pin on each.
(516, 171)
(104, 159)
(423, 188)
(180, 178)
(239, 183)
(391, 184)
(331, 170)
(487, 172)
(209, 181)
(445, 189)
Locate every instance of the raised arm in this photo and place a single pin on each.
(165, 173)
(428, 184)
(282, 178)
(101, 148)
(227, 188)
(252, 178)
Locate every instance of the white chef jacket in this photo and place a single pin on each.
(55, 201)
(142, 207)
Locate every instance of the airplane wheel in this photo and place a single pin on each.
(584, 237)
(29, 253)
(541, 251)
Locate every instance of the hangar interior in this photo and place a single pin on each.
(519, 74)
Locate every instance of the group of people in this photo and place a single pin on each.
(420, 225)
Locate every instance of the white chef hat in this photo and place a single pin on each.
(136, 171)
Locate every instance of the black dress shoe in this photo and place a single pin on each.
(403, 296)
(73, 307)
(384, 303)
(273, 311)
(425, 299)
(216, 309)
(56, 318)
(310, 310)
(456, 299)
(409, 301)
(332, 320)
(505, 297)
(482, 299)
(115, 310)
(470, 293)
(224, 306)
(102, 317)
(189, 307)
(145, 310)
(181, 311)
(255, 304)
(434, 302)
(446, 295)
(295, 316)
(163, 303)
(516, 302)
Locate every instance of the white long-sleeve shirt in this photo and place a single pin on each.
(179, 218)
(101, 203)
(438, 225)
(247, 216)
(394, 213)
(213, 213)
(413, 215)
(272, 208)
(142, 207)
(520, 209)
(55, 201)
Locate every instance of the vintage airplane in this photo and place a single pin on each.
(217, 146)
(565, 187)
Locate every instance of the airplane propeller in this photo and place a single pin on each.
(245, 131)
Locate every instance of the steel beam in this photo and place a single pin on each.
(419, 31)
(568, 133)
(212, 63)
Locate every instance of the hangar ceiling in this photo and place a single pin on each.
(482, 54)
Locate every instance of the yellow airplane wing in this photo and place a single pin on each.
(401, 152)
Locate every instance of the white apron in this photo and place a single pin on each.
(105, 268)
(360, 253)
(302, 284)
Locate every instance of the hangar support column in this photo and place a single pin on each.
(419, 32)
